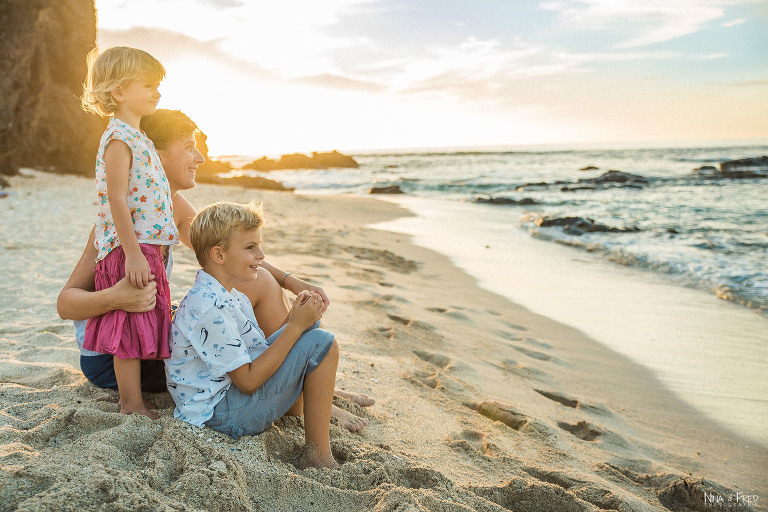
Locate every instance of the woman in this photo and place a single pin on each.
(173, 134)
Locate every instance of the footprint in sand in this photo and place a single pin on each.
(589, 432)
(473, 443)
(533, 353)
(424, 378)
(439, 360)
(523, 370)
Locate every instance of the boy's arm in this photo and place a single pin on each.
(307, 309)
(250, 377)
(183, 213)
(78, 300)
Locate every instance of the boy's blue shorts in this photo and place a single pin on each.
(239, 414)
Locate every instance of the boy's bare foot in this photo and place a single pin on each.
(348, 420)
(139, 410)
(314, 458)
(357, 398)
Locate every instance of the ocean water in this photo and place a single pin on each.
(683, 293)
(707, 234)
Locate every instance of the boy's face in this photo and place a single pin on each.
(243, 256)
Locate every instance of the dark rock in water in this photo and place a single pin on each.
(42, 50)
(243, 181)
(609, 179)
(301, 161)
(745, 168)
(504, 201)
(574, 189)
(589, 168)
(753, 164)
(4, 183)
(614, 176)
(579, 225)
(392, 189)
(673, 231)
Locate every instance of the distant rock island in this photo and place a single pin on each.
(301, 161)
(211, 170)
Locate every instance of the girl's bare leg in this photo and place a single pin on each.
(318, 398)
(128, 374)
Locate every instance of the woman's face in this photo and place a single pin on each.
(180, 161)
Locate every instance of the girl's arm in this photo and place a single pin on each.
(183, 213)
(78, 300)
(293, 283)
(250, 377)
(117, 160)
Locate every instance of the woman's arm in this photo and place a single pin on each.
(78, 300)
(183, 213)
(293, 283)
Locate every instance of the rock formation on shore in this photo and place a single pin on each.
(300, 161)
(42, 61)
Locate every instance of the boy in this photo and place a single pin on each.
(222, 372)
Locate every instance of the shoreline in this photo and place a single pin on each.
(698, 345)
(595, 430)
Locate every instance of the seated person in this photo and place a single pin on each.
(223, 372)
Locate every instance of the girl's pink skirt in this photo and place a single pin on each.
(132, 335)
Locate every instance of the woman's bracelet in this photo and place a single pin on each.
(284, 276)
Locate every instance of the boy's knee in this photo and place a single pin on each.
(266, 278)
(333, 351)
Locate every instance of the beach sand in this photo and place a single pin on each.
(481, 404)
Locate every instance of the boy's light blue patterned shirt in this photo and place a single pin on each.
(214, 332)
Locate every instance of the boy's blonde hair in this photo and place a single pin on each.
(115, 67)
(217, 223)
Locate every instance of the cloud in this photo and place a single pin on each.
(646, 21)
(167, 46)
(735, 22)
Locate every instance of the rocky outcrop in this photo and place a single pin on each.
(243, 181)
(579, 225)
(745, 164)
(301, 161)
(42, 67)
(391, 189)
(504, 201)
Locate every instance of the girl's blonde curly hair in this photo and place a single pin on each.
(115, 67)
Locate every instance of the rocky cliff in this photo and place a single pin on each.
(42, 67)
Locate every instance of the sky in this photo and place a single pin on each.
(265, 78)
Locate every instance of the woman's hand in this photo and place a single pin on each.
(127, 297)
(307, 309)
(137, 270)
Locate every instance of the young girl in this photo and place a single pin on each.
(135, 218)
